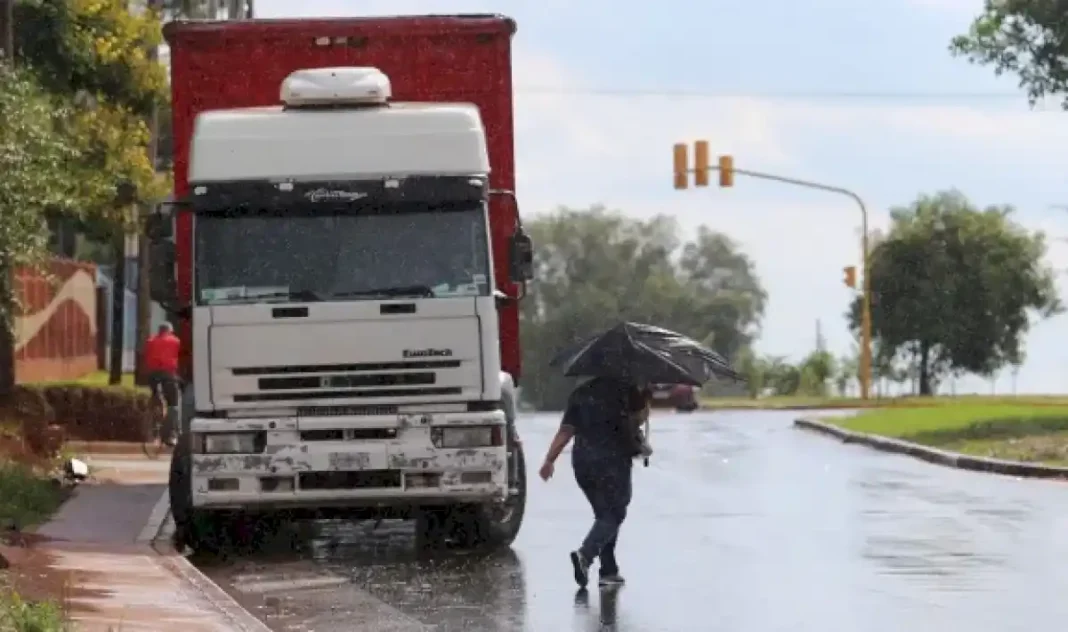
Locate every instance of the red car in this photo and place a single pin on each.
(681, 397)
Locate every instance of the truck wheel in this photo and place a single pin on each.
(493, 525)
(431, 527)
(202, 531)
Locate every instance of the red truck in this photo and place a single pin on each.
(341, 353)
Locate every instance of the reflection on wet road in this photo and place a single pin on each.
(740, 523)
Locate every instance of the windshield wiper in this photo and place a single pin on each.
(422, 291)
(306, 296)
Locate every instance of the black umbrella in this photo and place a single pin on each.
(646, 353)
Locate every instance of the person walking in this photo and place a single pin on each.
(601, 418)
(161, 363)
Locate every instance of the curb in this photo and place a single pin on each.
(176, 563)
(110, 448)
(241, 619)
(934, 455)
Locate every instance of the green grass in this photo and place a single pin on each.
(807, 402)
(19, 615)
(26, 497)
(1017, 430)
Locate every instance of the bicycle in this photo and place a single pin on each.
(158, 411)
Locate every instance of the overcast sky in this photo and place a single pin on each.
(784, 76)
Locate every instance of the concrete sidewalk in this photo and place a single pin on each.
(98, 551)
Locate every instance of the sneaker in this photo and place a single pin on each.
(582, 569)
(615, 579)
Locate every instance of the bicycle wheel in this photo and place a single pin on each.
(151, 444)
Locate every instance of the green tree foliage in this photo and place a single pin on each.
(816, 372)
(93, 54)
(1027, 38)
(33, 166)
(208, 9)
(595, 268)
(955, 287)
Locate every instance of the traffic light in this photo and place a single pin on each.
(700, 166)
(850, 276)
(682, 176)
(726, 171)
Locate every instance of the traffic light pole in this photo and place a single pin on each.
(865, 315)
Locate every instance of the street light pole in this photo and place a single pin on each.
(703, 168)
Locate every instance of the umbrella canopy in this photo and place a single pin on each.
(638, 352)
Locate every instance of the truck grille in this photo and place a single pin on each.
(347, 368)
(362, 380)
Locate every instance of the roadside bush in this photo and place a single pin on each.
(19, 615)
(26, 496)
(84, 413)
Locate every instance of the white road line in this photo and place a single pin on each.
(280, 585)
(155, 519)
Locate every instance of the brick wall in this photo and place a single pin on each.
(56, 333)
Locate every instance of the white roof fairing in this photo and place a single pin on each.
(344, 143)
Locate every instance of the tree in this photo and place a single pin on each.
(94, 54)
(595, 267)
(1027, 38)
(816, 370)
(33, 158)
(848, 368)
(754, 369)
(209, 9)
(956, 287)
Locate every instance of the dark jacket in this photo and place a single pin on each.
(601, 415)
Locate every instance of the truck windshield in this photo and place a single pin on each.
(244, 257)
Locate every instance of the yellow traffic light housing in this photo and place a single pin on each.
(700, 166)
(682, 176)
(726, 171)
(850, 276)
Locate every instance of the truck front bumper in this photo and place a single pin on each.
(293, 472)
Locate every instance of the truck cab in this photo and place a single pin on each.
(345, 346)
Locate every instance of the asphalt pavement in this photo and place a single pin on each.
(740, 523)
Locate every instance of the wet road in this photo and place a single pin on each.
(740, 523)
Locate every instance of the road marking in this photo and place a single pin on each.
(155, 519)
(279, 585)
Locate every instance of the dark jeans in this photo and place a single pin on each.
(170, 385)
(607, 486)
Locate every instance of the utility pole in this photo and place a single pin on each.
(125, 199)
(7, 29)
(727, 171)
(144, 298)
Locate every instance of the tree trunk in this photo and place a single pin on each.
(118, 311)
(7, 30)
(144, 301)
(7, 337)
(925, 370)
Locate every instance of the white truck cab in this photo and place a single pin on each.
(345, 340)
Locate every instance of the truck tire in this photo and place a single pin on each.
(491, 526)
(494, 525)
(201, 531)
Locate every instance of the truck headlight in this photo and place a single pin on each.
(467, 436)
(230, 442)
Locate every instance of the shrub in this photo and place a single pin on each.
(26, 497)
(85, 413)
(19, 615)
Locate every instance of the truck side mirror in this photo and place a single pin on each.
(521, 257)
(163, 288)
(159, 227)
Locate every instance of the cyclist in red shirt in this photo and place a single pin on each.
(161, 364)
